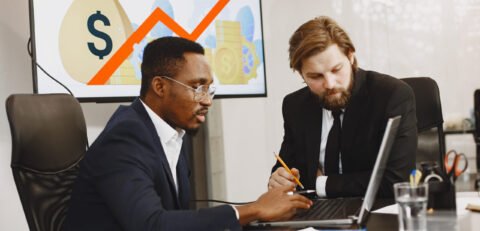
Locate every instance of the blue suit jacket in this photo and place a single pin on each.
(125, 183)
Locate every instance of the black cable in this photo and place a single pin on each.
(29, 47)
(224, 202)
(29, 50)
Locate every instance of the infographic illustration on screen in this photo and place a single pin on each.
(95, 47)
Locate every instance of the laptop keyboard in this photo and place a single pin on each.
(328, 209)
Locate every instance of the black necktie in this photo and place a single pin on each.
(332, 151)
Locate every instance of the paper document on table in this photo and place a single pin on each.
(313, 229)
(463, 199)
(391, 209)
(308, 229)
(473, 207)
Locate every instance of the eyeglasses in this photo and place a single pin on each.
(200, 93)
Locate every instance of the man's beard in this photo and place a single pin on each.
(334, 102)
(192, 132)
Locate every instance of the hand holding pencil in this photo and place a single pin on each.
(284, 176)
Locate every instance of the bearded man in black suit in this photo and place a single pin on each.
(334, 126)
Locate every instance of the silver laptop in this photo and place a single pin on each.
(348, 211)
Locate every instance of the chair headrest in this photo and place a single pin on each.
(48, 131)
(428, 105)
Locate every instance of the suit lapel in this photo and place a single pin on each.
(355, 112)
(313, 125)
(171, 183)
(182, 179)
(140, 109)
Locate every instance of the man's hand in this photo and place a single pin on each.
(278, 205)
(273, 205)
(281, 177)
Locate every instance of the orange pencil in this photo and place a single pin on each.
(288, 169)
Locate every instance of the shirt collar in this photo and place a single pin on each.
(164, 130)
(329, 113)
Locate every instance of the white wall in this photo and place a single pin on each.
(15, 76)
(432, 38)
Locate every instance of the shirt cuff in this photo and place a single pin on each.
(236, 212)
(320, 186)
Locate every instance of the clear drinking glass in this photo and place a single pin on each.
(412, 206)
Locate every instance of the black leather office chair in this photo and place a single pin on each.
(48, 140)
(431, 139)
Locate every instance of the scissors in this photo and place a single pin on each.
(455, 163)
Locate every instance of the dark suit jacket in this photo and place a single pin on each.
(125, 183)
(375, 98)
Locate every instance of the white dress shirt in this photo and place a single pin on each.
(171, 140)
(327, 123)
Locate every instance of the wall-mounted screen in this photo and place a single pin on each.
(95, 48)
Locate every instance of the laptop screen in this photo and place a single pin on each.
(379, 168)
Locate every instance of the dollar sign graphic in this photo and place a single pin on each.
(108, 41)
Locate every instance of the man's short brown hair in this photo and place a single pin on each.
(315, 36)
